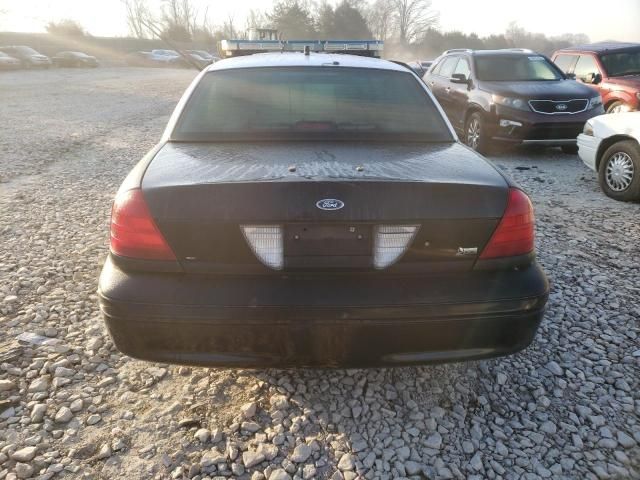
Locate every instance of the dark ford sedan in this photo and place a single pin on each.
(317, 210)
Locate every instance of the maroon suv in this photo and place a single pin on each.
(612, 68)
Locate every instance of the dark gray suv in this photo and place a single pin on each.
(512, 95)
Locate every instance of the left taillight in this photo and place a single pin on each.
(134, 234)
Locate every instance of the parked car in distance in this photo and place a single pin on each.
(165, 56)
(139, 59)
(511, 96)
(317, 210)
(8, 63)
(188, 59)
(204, 55)
(426, 64)
(74, 59)
(612, 68)
(28, 57)
(417, 68)
(610, 145)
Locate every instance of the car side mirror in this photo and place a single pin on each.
(593, 78)
(460, 78)
(571, 76)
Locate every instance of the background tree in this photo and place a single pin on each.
(137, 17)
(292, 19)
(412, 19)
(349, 22)
(180, 19)
(379, 16)
(255, 19)
(326, 20)
(66, 27)
(228, 28)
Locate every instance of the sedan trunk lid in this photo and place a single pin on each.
(201, 194)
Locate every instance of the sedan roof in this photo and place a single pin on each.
(295, 59)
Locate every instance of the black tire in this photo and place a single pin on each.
(569, 149)
(612, 108)
(475, 133)
(619, 171)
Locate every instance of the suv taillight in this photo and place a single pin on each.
(134, 234)
(514, 235)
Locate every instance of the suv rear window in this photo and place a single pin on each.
(515, 68)
(320, 103)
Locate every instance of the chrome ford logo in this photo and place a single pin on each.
(329, 204)
(561, 106)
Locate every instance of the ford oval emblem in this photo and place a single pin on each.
(561, 106)
(329, 204)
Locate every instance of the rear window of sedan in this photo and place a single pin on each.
(319, 103)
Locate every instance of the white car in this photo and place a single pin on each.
(610, 145)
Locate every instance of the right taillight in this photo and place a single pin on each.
(514, 235)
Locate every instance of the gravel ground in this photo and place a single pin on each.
(71, 406)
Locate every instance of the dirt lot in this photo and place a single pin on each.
(73, 407)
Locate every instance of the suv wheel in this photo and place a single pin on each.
(619, 171)
(617, 107)
(474, 133)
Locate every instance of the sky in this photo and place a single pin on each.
(620, 21)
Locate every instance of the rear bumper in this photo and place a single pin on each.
(321, 321)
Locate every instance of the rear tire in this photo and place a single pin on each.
(569, 149)
(619, 171)
(475, 133)
(617, 107)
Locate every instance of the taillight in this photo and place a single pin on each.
(514, 235)
(134, 234)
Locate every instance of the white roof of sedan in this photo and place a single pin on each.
(295, 59)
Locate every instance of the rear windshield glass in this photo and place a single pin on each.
(321, 103)
(622, 63)
(515, 68)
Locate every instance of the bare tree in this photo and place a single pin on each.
(137, 16)
(516, 35)
(255, 19)
(379, 16)
(412, 19)
(180, 19)
(66, 27)
(228, 27)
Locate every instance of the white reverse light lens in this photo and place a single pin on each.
(391, 241)
(266, 241)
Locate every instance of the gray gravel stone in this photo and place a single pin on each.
(63, 415)
(24, 455)
(301, 453)
(251, 459)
